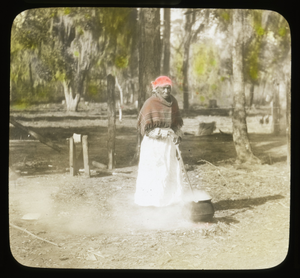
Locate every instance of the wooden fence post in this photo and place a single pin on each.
(111, 113)
(72, 157)
(85, 151)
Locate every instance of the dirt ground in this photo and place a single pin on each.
(83, 222)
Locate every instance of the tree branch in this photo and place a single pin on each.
(176, 49)
(200, 28)
(23, 230)
(202, 160)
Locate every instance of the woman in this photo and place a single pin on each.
(159, 182)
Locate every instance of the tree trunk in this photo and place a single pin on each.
(111, 113)
(11, 97)
(149, 58)
(31, 80)
(74, 90)
(132, 92)
(134, 54)
(276, 112)
(288, 120)
(186, 57)
(166, 42)
(121, 102)
(239, 124)
(78, 82)
(71, 102)
(251, 95)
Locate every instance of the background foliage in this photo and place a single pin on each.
(50, 46)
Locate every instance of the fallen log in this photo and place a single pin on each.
(42, 139)
(226, 133)
(99, 165)
(123, 175)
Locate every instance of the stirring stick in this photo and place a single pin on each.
(182, 164)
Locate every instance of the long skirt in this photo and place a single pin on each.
(159, 181)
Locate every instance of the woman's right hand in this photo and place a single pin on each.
(176, 139)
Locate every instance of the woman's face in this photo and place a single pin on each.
(164, 91)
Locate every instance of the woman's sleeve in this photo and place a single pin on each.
(178, 132)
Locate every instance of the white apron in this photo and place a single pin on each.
(159, 181)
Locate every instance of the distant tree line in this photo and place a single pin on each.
(65, 53)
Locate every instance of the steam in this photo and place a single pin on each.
(133, 217)
(118, 214)
(123, 216)
(196, 195)
(32, 201)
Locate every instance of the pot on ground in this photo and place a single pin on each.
(198, 206)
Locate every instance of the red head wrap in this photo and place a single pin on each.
(161, 81)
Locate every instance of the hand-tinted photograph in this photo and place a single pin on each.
(149, 138)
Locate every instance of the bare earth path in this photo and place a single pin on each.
(87, 216)
(95, 223)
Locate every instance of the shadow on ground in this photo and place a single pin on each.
(212, 148)
(218, 147)
(245, 203)
(226, 219)
(101, 115)
(241, 206)
(61, 133)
